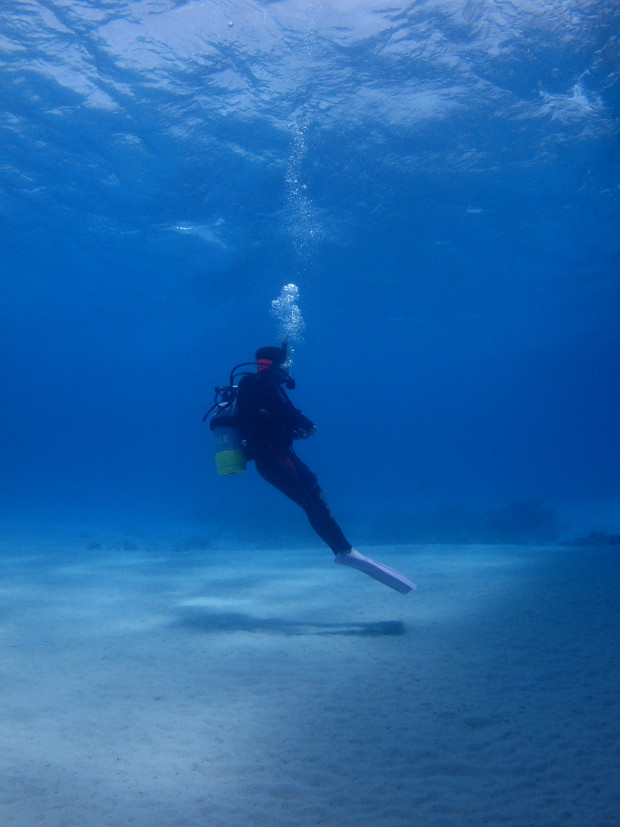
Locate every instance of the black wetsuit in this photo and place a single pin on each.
(269, 424)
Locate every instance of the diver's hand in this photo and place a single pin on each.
(306, 432)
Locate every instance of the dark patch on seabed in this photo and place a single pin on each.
(211, 622)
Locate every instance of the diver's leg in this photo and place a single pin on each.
(323, 521)
(295, 480)
(279, 470)
(293, 477)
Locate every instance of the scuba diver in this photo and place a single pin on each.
(257, 421)
(269, 424)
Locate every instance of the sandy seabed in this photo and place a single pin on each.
(156, 687)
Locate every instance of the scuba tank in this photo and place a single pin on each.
(230, 456)
(229, 451)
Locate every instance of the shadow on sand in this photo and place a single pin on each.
(210, 622)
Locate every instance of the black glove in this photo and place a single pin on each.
(305, 431)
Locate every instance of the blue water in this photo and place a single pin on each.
(441, 181)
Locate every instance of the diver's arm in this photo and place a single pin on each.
(288, 415)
